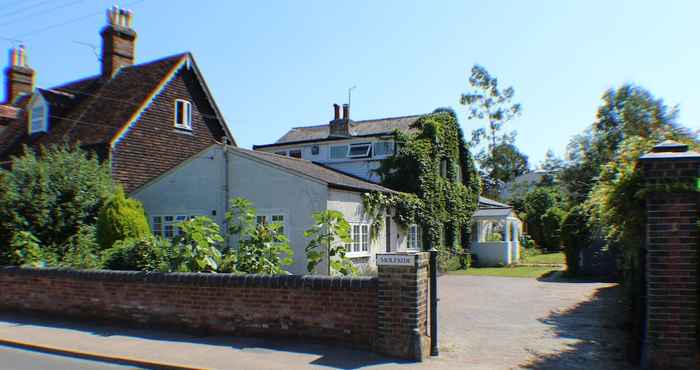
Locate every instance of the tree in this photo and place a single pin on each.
(52, 196)
(505, 164)
(537, 203)
(575, 236)
(121, 218)
(328, 236)
(625, 112)
(487, 101)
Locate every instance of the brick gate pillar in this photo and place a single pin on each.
(671, 257)
(402, 305)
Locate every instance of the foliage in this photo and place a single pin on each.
(144, 254)
(52, 196)
(445, 192)
(536, 204)
(81, 250)
(551, 226)
(262, 248)
(575, 236)
(500, 161)
(120, 218)
(24, 250)
(329, 234)
(196, 246)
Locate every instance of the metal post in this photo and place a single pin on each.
(433, 303)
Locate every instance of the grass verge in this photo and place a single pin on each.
(546, 258)
(518, 271)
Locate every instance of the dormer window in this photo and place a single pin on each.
(38, 115)
(183, 114)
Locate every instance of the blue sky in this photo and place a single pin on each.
(277, 64)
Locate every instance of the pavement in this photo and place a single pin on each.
(485, 323)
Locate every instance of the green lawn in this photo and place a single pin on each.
(525, 272)
(547, 258)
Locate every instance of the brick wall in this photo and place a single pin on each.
(341, 310)
(671, 265)
(402, 309)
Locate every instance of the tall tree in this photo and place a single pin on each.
(487, 101)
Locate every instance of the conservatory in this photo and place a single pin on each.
(496, 232)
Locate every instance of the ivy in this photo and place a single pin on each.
(435, 173)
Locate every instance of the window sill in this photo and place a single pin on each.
(183, 130)
(357, 254)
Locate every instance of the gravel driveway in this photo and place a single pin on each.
(513, 323)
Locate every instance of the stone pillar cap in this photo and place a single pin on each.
(670, 149)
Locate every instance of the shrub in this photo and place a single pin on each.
(551, 228)
(120, 218)
(196, 248)
(52, 195)
(575, 236)
(81, 250)
(24, 250)
(145, 254)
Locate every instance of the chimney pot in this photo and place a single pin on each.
(346, 112)
(336, 112)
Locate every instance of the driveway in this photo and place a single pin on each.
(510, 323)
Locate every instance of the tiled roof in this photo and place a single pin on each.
(332, 177)
(493, 212)
(357, 128)
(92, 110)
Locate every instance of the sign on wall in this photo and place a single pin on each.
(396, 259)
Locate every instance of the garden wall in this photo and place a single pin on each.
(329, 308)
(387, 314)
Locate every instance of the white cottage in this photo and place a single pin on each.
(284, 190)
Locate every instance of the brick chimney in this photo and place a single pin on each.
(340, 126)
(118, 41)
(19, 78)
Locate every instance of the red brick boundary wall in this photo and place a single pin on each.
(353, 311)
(671, 258)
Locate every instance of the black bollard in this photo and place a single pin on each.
(433, 303)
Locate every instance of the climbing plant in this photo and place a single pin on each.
(435, 173)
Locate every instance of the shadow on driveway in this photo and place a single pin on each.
(328, 355)
(594, 330)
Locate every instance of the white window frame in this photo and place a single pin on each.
(361, 243)
(186, 115)
(269, 214)
(383, 142)
(301, 153)
(38, 101)
(174, 220)
(413, 238)
(364, 155)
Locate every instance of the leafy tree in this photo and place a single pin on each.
(262, 248)
(575, 236)
(487, 101)
(537, 203)
(328, 236)
(551, 222)
(81, 250)
(24, 250)
(121, 218)
(628, 111)
(52, 195)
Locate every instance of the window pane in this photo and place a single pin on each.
(296, 153)
(339, 151)
(179, 112)
(188, 116)
(261, 220)
(383, 148)
(168, 231)
(360, 150)
(365, 238)
(281, 153)
(279, 219)
(356, 238)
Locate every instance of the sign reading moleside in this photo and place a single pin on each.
(396, 259)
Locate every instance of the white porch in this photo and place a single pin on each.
(496, 237)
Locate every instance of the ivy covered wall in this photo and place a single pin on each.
(434, 169)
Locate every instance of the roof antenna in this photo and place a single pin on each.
(95, 49)
(350, 94)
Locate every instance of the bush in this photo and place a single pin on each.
(575, 236)
(120, 218)
(24, 250)
(196, 248)
(328, 236)
(551, 228)
(146, 254)
(81, 250)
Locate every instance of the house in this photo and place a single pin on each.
(283, 190)
(523, 183)
(144, 118)
(358, 147)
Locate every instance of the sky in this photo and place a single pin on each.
(274, 65)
